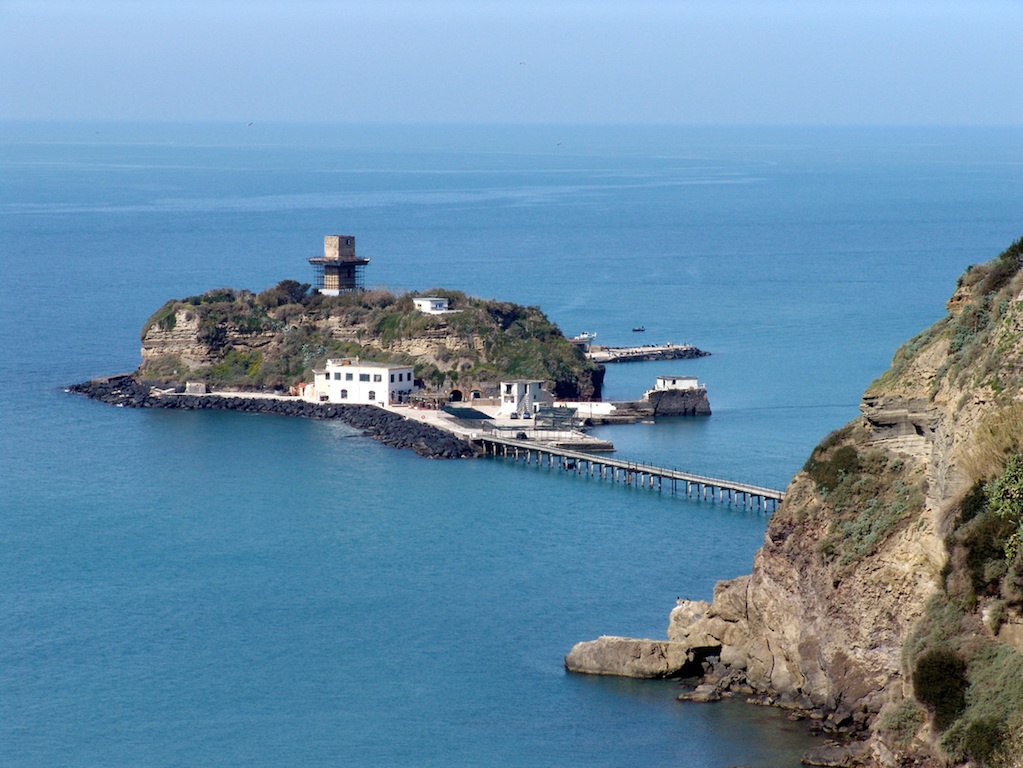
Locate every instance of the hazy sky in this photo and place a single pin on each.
(513, 61)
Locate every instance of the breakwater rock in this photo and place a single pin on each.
(385, 426)
(629, 657)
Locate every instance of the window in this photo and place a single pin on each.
(363, 377)
(349, 377)
(337, 375)
(344, 394)
(392, 378)
(507, 389)
(372, 395)
(377, 377)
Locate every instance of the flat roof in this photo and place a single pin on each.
(348, 363)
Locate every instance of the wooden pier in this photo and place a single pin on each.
(641, 475)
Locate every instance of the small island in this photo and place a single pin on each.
(333, 349)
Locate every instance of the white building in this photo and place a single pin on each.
(360, 383)
(431, 305)
(676, 382)
(521, 396)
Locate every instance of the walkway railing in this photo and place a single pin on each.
(634, 473)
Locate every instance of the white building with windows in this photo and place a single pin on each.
(431, 305)
(676, 382)
(361, 383)
(521, 396)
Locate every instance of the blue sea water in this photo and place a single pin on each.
(225, 589)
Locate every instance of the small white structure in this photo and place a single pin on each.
(359, 383)
(587, 409)
(676, 382)
(521, 396)
(431, 305)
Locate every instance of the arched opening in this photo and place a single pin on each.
(372, 395)
(456, 396)
(475, 395)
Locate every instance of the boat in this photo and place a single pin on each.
(639, 329)
(585, 336)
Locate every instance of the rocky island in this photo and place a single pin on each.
(271, 343)
(886, 604)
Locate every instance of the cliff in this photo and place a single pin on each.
(273, 339)
(887, 600)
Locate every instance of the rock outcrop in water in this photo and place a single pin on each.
(887, 600)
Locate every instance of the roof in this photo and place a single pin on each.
(350, 363)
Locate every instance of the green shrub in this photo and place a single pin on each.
(829, 472)
(973, 503)
(1005, 499)
(939, 682)
(975, 740)
(903, 721)
(165, 318)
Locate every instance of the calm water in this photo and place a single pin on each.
(221, 589)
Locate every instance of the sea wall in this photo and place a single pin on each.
(385, 426)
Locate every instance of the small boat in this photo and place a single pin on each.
(585, 336)
(639, 329)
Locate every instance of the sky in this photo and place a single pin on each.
(705, 62)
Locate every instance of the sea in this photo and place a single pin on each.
(221, 589)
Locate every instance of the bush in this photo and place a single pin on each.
(165, 318)
(939, 682)
(973, 503)
(976, 740)
(903, 721)
(1005, 499)
(285, 292)
(828, 473)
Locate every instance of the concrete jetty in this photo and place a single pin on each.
(669, 351)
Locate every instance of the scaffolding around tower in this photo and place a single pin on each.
(338, 270)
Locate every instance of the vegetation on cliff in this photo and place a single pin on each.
(232, 338)
(887, 599)
(964, 665)
(870, 493)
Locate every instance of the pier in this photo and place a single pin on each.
(672, 481)
(669, 351)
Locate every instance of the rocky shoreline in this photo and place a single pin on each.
(388, 428)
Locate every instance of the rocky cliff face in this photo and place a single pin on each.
(878, 568)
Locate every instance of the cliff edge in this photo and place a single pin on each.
(887, 600)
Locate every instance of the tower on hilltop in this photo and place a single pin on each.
(338, 270)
